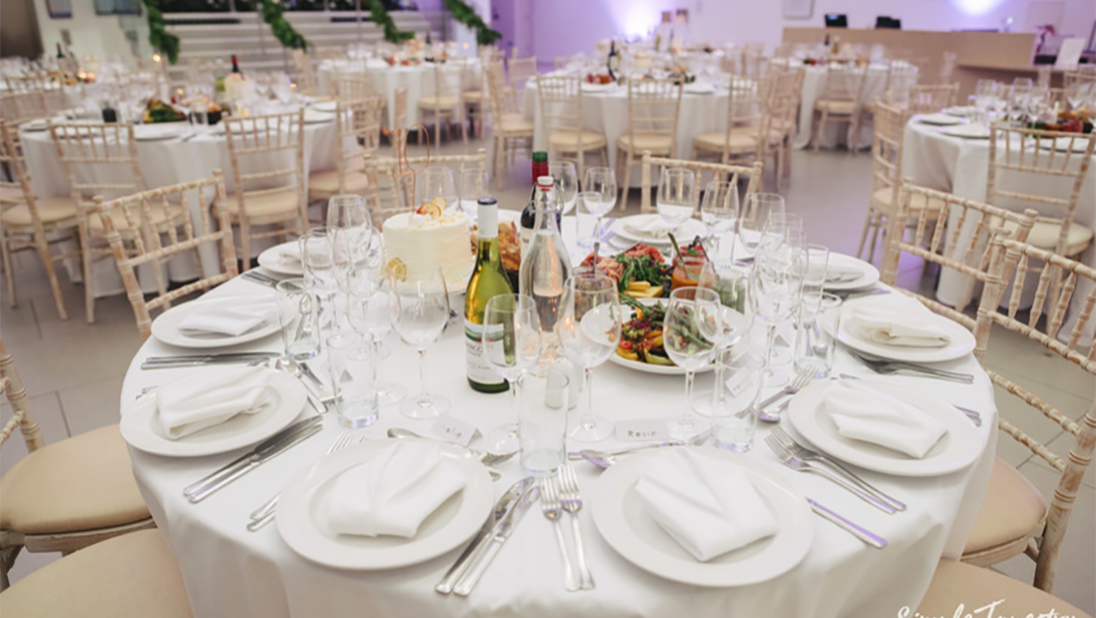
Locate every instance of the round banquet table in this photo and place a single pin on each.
(232, 572)
(835, 134)
(960, 166)
(165, 162)
(418, 79)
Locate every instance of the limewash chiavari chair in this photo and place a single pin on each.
(653, 110)
(1082, 74)
(520, 71)
(447, 102)
(63, 496)
(358, 125)
(887, 148)
(257, 148)
(1014, 517)
(931, 98)
(352, 86)
(509, 131)
(98, 159)
(560, 99)
(304, 73)
(399, 118)
(28, 223)
(731, 173)
(156, 242)
(20, 107)
(842, 101)
(392, 192)
(783, 107)
(956, 234)
(749, 134)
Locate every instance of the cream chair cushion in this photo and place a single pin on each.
(473, 96)
(130, 576)
(435, 102)
(740, 142)
(841, 108)
(283, 202)
(881, 202)
(514, 123)
(50, 210)
(566, 140)
(82, 483)
(955, 584)
(657, 144)
(1044, 234)
(326, 184)
(1011, 512)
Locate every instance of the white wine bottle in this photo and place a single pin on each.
(488, 280)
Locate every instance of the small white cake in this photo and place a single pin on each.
(444, 240)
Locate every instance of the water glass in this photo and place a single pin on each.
(755, 214)
(815, 342)
(589, 331)
(471, 186)
(587, 222)
(599, 193)
(719, 213)
(676, 199)
(542, 421)
(436, 182)
(348, 359)
(734, 403)
(690, 333)
(299, 316)
(566, 184)
(511, 347)
(418, 307)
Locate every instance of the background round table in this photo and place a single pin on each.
(836, 134)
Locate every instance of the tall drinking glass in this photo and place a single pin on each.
(566, 184)
(691, 331)
(298, 316)
(418, 307)
(676, 200)
(755, 215)
(589, 331)
(599, 194)
(511, 346)
(719, 213)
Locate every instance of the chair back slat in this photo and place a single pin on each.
(19, 107)
(254, 141)
(22, 416)
(931, 98)
(358, 125)
(653, 108)
(730, 173)
(391, 192)
(98, 159)
(887, 141)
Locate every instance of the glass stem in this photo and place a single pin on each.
(688, 417)
(588, 388)
(375, 350)
(424, 398)
(515, 389)
(717, 386)
(769, 349)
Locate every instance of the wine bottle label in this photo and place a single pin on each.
(477, 367)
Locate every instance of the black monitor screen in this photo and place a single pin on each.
(836, 20)
(887, 22)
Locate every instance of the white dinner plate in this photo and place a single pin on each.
(623, 521)
(699, 88)
(587, 87)
(273, 260)
(324, 106)
(955, 450)
(315, 117)
(303, 523)
(159, 131)
(166, 326)
(960, 340)
(961, 110)
(684, 235)
(1062, 144)
(38, 124)
(967, 131)
(869, 274)
(940, 120)
(662, 370)
(140, 426)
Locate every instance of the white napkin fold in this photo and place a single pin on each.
(885, 321)
(862, 412)
(392, 493)
(651, 227)
(231, 317)
(289, 253)
(210, 397)
(707, 505)
(842, 272)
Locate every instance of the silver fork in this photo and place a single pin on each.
(807, 454)
(802, 379)
(263, 515)
(550, 506)
(572, 503)
(888, 367)
(791, 461)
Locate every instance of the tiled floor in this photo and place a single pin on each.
(74, 371)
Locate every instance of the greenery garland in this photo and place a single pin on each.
(380, 16)
(158, 36)
(467, 16)
(272, 12)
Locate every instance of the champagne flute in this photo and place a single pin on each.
(589, 331)
(599, 194)
(418, 307)
(690, 333)
(719, 213)
(676, 200)
(434, 183)
(566, 183)
(471, 185)
(511, 346)
(755, 215)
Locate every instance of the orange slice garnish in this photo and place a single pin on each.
(430, 209)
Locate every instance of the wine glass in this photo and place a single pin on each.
(566, 183)
(471, 185)
(676, 196)
(599, 194)
(728, 279)
(436, 182)
(755, 215)
(691, 332)
(319, 272)
(589, 331)
(367, 312)
(775, 286)
(719, 213)
(511, 346)
(781, 226)
(418, 307)
(351, 229)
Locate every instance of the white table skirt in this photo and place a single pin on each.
(961, 167)
(167, 162)
(232, 572)
(835, 133)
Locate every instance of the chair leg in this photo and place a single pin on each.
(89, 282)
(876, 233)
(51, 271)
(864, 233)
(245, 247)
(818, 129)
(627, 162)
(5, 259)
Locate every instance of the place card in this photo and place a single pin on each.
(738, 383)
(786, 331)
(454, 430)
(643, 430)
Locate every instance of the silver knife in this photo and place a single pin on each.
(270, 443)
(476, 547)
(163, 362)
(874, 540)
(498, 536)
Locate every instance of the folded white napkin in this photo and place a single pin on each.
(289, 253)
(210, 397)
(842, 272)
(882, 320)
(862, 412)
(651, 227)
(707, 505)
(231, 317)
(394, 492)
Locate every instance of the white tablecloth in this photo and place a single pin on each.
(835, 134)
(166, 162)
(419, 80)
(232, 572)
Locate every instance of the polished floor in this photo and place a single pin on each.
(73, 371)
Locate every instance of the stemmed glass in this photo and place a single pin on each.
(471, 185)
(436, 182)
(755, 216)
(511, 346)
(418, 307)
(1076, 94)
(775, 285)
(350, 233)
(719, 213)
(566, 184)
(319, 272)
(676, 196)
(691, 332)
(367, 312)
(728, 279)
(599, 194)
(589, 331)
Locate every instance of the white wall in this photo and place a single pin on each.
(91, 34)
(564, 27)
